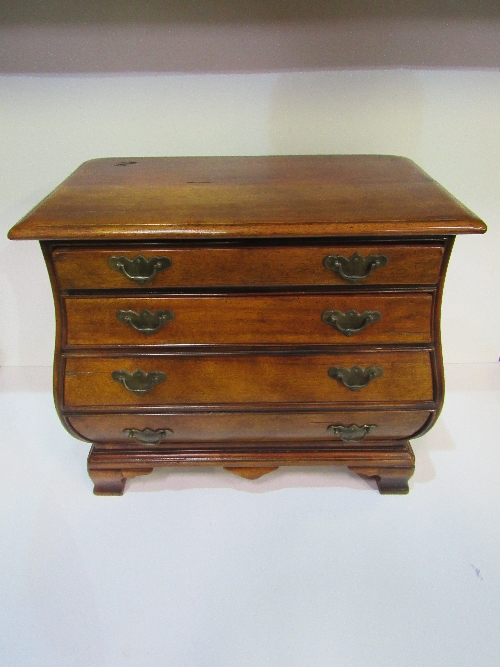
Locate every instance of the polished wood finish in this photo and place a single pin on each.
(249, 320)
(391, 465)
(246, 265)
(240, 428)
(244, 372)
(247, 197)
(286, 379)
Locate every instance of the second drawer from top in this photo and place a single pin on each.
(249, 320)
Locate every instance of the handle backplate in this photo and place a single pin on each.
(148, 436)
(355, 378)
(354, 268)
(139, 382)
(145, 322)
(352, 433)
(139, 269)
(350, 322)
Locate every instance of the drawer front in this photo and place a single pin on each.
(327, 427)
(249, 320)
(248, 266)
(397, 378)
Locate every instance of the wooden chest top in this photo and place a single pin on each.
(224, 197)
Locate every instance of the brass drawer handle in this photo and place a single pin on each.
(351, 433)
(356, 377)
(350, 322)
(139, 382)
(146, 322)
(355, 268)
(139, 269)
(148, 436)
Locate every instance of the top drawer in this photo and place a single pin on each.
(249, 266)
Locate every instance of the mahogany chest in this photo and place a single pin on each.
(248, 312)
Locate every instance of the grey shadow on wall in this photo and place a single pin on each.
(237, 11)
(246, 36)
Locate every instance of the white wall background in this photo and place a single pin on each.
(448, 121)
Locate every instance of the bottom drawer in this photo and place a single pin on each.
(153, 430)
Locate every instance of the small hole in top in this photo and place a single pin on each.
(124, 164)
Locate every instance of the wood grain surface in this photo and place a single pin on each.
(249, 320)
(243, 427)
(288, 379)
(247, 265)
(341, 195)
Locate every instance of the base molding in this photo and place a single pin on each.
(391, 463)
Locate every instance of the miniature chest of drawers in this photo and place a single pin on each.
(248, 312)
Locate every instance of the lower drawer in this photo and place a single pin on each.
(395, 378)
(153, 430)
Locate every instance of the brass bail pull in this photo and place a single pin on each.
(139, 269)
(356, 267)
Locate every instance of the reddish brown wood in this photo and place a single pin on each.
(246, 357)
(437, 356)
(251, 473)
(394, 453)
(246, 320)
(243, 428)
(247, 265)
(391, 465)
(112, 482)
(390, 481)
(340, 195)
(286, 379)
